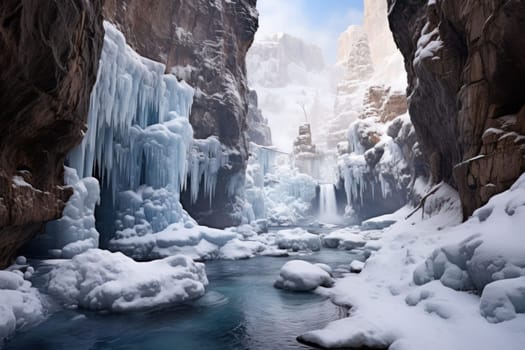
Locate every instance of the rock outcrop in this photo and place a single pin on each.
(49, 53)
(380, 160)
(466, 70)
(204, 43)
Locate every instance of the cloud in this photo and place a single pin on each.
(302, 19)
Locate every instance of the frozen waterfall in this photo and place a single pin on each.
(139, 143)
(328, 204)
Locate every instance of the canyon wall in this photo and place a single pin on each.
(466, 70)
(49, 54)
(379, 157)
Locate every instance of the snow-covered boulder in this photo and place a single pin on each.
(301, 276)
(502, 300)
(101, 280)
(20, 303)
(239, 249)
(346, 238)
(356, 266)
(297, 239)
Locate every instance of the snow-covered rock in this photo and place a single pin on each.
(198, 242)
(502, 300)
(238, 249)
(301, 276)
(346, 238)
(297, 239)
(101, 280)
(356, 266)
(20, 303)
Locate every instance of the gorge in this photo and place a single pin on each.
(189, 166)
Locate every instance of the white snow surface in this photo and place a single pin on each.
(347, 238)
(101, 280)
(302, 276)
(20, 304)
(297, 239)
(486, 254)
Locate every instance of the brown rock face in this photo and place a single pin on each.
(466, 70)
(204, 43)
(380, 102)
(49, 53)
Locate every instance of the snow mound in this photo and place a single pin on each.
(101, 280)
(365, 335)
(356, 266)
(20, 303)
(297, 239)
(502, 300)
(197, 242)
(346, 238)
(301, 276)
(495, 249)
(239, 249)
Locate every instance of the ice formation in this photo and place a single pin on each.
(75, 231)
(302, 276)
(369, 140)
(275, 190)
(327, 203)
(140, 144)
(101, 280)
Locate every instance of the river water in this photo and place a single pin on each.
(241, 310)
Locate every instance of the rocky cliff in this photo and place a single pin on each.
(204, 43)
(49, 54)
(466, 70)
(380, 161)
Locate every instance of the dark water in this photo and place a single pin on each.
(241, 310)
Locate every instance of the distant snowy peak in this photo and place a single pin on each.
(281, 58)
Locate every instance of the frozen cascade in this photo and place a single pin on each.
(327, 203)
(139, 143)
(137, 123)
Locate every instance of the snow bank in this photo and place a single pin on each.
(297, 239)
(346, 238)
(101, 280)
(301, 276)
(388, 310)
(494, 247)
(20, 303)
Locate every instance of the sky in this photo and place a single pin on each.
(316, 21)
